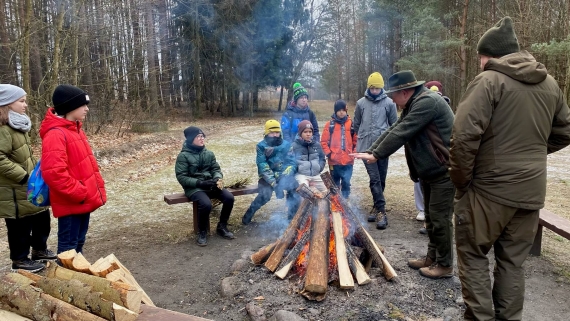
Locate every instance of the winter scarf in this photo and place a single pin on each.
(18, 121)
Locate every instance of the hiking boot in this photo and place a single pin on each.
(436, 271)
(381, 221)
(416, 264)
(222, 230)
(27, 265)
(43, 255)
(421, 216)
(423, 231)
(202, 240)
(372, 215)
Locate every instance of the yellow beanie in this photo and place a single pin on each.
(272, 126)
(375, 79)
(434, 88)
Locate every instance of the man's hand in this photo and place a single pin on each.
(220, 184)
(206, 185)
(369, 158)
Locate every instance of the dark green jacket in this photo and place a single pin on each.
(15, 162)
(511, 116)
(193, 165)
(424, 129)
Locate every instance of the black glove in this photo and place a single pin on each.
(24, 180)
(206, 185)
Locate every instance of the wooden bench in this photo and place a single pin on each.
(179, 198)
(553, 222)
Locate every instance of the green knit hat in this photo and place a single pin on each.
(299, 91)
(500, 40)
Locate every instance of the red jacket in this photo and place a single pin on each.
(333, 148)
(69, 167)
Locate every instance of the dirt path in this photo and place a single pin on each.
(155, 241)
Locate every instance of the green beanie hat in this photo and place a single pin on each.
(299, 91)
(500, 40)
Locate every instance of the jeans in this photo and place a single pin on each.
(71, 232)
(377, 172)
(264, 195)
(205, 206)
(28, 231)
(341, 175)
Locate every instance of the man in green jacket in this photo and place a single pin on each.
(201, 177)
(511, 116)
(424, 129)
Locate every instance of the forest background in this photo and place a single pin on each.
(145, 59)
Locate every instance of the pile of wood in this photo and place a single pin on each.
(104, 290)
(320, 245)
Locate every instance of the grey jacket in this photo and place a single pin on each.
(309, 156)
(371, 118)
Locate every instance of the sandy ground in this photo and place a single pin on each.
(155, 241)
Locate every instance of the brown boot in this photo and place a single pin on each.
(436, 271)
(420, 263)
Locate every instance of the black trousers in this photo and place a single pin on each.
(205, 206)
(28, 231)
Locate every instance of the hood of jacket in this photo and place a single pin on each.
(380, 97)
(520, 66)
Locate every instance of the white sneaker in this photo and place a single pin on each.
(421, 216)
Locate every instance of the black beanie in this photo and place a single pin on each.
(191, 132)
(339, 104)
(67, 98)
(500, 40)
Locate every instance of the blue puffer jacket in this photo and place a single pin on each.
(274, 162)
(309, 156)
(291, 119)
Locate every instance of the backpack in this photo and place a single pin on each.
(38, 191)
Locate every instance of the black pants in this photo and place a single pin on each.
(205, 206)
(28, 231)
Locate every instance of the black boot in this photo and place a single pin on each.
(223, 231)
(27, 265)
(201, 239)
(381, 221)
(43, 255)
(372, 215)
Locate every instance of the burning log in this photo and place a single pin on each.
(316, 278)
(283, 243)
(356, 267)
(345, 278)
(361, 233)
(260, 256)
(81, 295)
(290, 259)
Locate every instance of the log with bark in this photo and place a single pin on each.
(288, 236)
(118, 292)
(287, 263)
(316, 277)
(260, 256)
(82, 296)
(104, 266)
(124, 275)
(19, 296)
(356, 267)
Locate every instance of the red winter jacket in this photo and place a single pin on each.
(69, 167)
(333, 148)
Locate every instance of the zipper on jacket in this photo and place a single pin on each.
(16, 203)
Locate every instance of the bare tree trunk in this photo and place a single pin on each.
(463, 47)
(27, 21)
(151, 55)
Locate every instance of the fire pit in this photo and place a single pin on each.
(319, 245)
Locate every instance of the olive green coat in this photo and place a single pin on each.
(16, 161)
(193, 165)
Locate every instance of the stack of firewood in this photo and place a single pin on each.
(104, 290)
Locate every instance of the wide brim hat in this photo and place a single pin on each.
(402, 80)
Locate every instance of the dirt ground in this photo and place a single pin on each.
(155, 240)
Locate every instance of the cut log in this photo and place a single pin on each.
(19, 296)
(316, 278)
(344, 276)
(291, 258)
(11, 316)
(376, 254)
(260, 256)
(81, 295)
(288, 236)
(118, 292)
(81, 264)
(356, 267)
(126, 277)
(66, 258)
(103, 266)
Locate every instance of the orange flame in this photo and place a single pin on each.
(332, 250)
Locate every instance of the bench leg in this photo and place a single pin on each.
(195, 219)
(537, 245)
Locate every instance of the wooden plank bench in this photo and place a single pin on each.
(179, 198)
(149, 313)
(553, 222)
